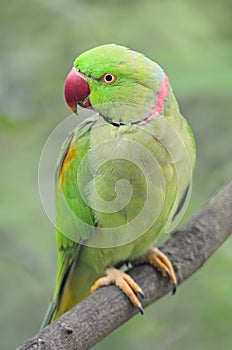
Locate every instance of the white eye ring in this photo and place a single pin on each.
(109, 78)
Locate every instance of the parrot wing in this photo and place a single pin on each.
(68, 201)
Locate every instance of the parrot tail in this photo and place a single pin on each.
(74, 288)
(49, 314)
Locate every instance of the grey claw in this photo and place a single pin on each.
(168, 273)
(140, 292)
(141, 310)
(174, 287)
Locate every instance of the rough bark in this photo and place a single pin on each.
(98, 315)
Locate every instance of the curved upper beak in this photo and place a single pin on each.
(76, 90)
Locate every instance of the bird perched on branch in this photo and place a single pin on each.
(123, 177)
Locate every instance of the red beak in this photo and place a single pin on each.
(76, 90)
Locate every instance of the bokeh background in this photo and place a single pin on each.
(191, 40)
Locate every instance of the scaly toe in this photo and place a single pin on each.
(161, 262)
(121, 279)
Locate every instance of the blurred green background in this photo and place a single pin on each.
(191, 40)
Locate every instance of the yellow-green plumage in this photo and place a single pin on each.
(96, 156)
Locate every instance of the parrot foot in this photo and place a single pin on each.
(155, 257)
(124, 282)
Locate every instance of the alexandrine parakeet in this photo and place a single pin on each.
(123, 175)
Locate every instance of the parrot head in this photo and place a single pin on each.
(122, 85)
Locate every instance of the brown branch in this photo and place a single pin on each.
(98, 315)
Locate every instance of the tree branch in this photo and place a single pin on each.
(98, 315)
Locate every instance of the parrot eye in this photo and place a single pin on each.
(109, 78)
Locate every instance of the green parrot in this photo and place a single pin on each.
(123, 176)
